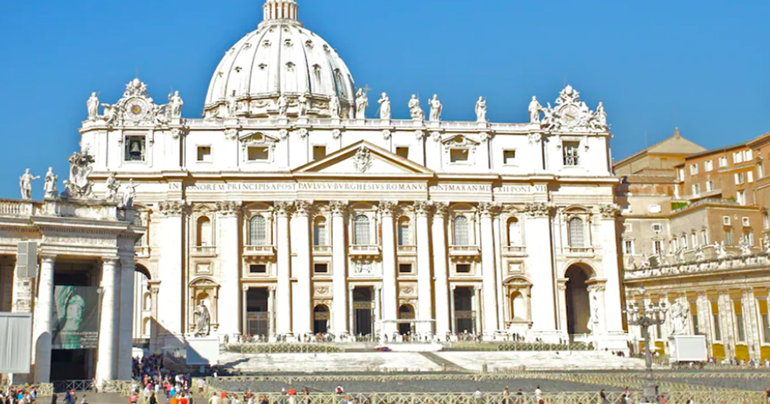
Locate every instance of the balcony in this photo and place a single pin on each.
(142, 251)
(514, 251)
(259, 251)
(364, 251)
(579, 252)
(322, 250)
(407, 250)
(464, 251)
(204, 251)
(10, 207)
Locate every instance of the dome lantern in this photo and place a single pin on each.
(280, 11)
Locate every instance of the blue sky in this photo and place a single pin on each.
(703, 66)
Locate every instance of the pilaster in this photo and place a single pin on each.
(302, 300)
(283, 285)
(491, 325)
(171, 318)
(424, 278)
(537, 228)
(389, 285)
(339, 266)
(230, 268)
(443, 325)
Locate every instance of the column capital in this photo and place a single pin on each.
(440, 209)
(172, 208)
(609, 211)
(537, 209)
(271, 289)
(422, 208)
(283, 208)
(387, 208)
(303, 207)
(562, 284)
(228, 208)
(338, 208)
(489, 209)
(48, 258)
(110, 260)
(245, 288)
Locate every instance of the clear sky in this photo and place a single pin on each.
(703, 66)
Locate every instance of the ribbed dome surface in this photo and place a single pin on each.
(280, 58)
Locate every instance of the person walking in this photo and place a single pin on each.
(153, 399)
(603, 396)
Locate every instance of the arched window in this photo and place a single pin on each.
(576, 233)
(404, 232)
(514, 232)
(204, 232)
(461, 231)
(319, 232)
(361, 232)
(147, 306)
(146, 327)
(258, 231)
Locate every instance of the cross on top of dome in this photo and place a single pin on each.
(280, 11)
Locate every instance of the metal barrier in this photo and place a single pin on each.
(77, 385)
(257, 348)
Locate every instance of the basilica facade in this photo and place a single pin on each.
(286, 211)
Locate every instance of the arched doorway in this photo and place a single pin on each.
(321, 319)
(578, 303)
(405, 312)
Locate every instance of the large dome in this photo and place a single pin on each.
(281, 57)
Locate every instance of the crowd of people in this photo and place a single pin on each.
(152, 381)
(18, 395)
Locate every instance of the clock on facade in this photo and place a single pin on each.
(569, 115)
(136, 108)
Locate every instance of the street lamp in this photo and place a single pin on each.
(646, 317)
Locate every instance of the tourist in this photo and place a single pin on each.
(153, 399)
(214, 399)
(603, 396)
(478, 396)
(84, 400)
(767, 395)
(538, 393)
(506, 395)
(226, 398)
(201, 385)
(134, 399)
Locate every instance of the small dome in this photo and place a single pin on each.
(281, 57)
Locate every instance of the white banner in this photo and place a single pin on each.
(15, 342)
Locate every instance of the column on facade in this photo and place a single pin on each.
(339, 264)
(753, 336)
(107, 355)
(351, 310)
(502, 298)
(440, 269)
(154, 291)
(452, 315)
(537, 228)
(562, 313)
(489, 282)
(377, 308)
(170, 268)
(613, 307)
(389, 285)
(283, 284)
(271, 312)
(43, 321)
(125, 342)
(424, 278)
(477, 308)
(704, 318)
(229, 266)
(303, 296)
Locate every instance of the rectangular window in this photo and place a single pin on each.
(750, 176)
(723, 161)
(738, 178)
(135, 148)
(737, 157)
(321, 268)
(405, 268)
(571, 154)
(693, 240)
(404, 234)
(680, 174)
(403, 151)
(319, 235)
(709, 186)
(204, 154)
(728, 236)
(258, 154)
(760, 171)
(748, 155)
(319, 152)
(740, 197)
(509, 157)
(704, 237)
(463, 268)
(746, 222)
(657, 247)
(458, 155)
(725, 220)
(628, 247)
(694, 169)
(258, 269)
(750, 238)
(709, 165)
(696, 189)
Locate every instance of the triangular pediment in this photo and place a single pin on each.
(363, 158)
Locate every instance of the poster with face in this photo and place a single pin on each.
(75, 317)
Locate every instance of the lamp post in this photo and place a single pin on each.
(646, 317)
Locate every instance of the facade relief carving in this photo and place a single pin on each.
(537, 209)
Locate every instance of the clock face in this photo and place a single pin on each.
(136, 109)
(570, 115)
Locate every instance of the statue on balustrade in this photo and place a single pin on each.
(384, 107)
(93, 107)
(435, 108)
(50, 184)
(25, 183)
(481, 110)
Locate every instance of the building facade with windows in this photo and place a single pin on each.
(287, 211)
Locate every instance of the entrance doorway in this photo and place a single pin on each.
(321, 319)
(257, 315)
(405, 312)
(465, 317)
(578, 304)
(362, 311)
